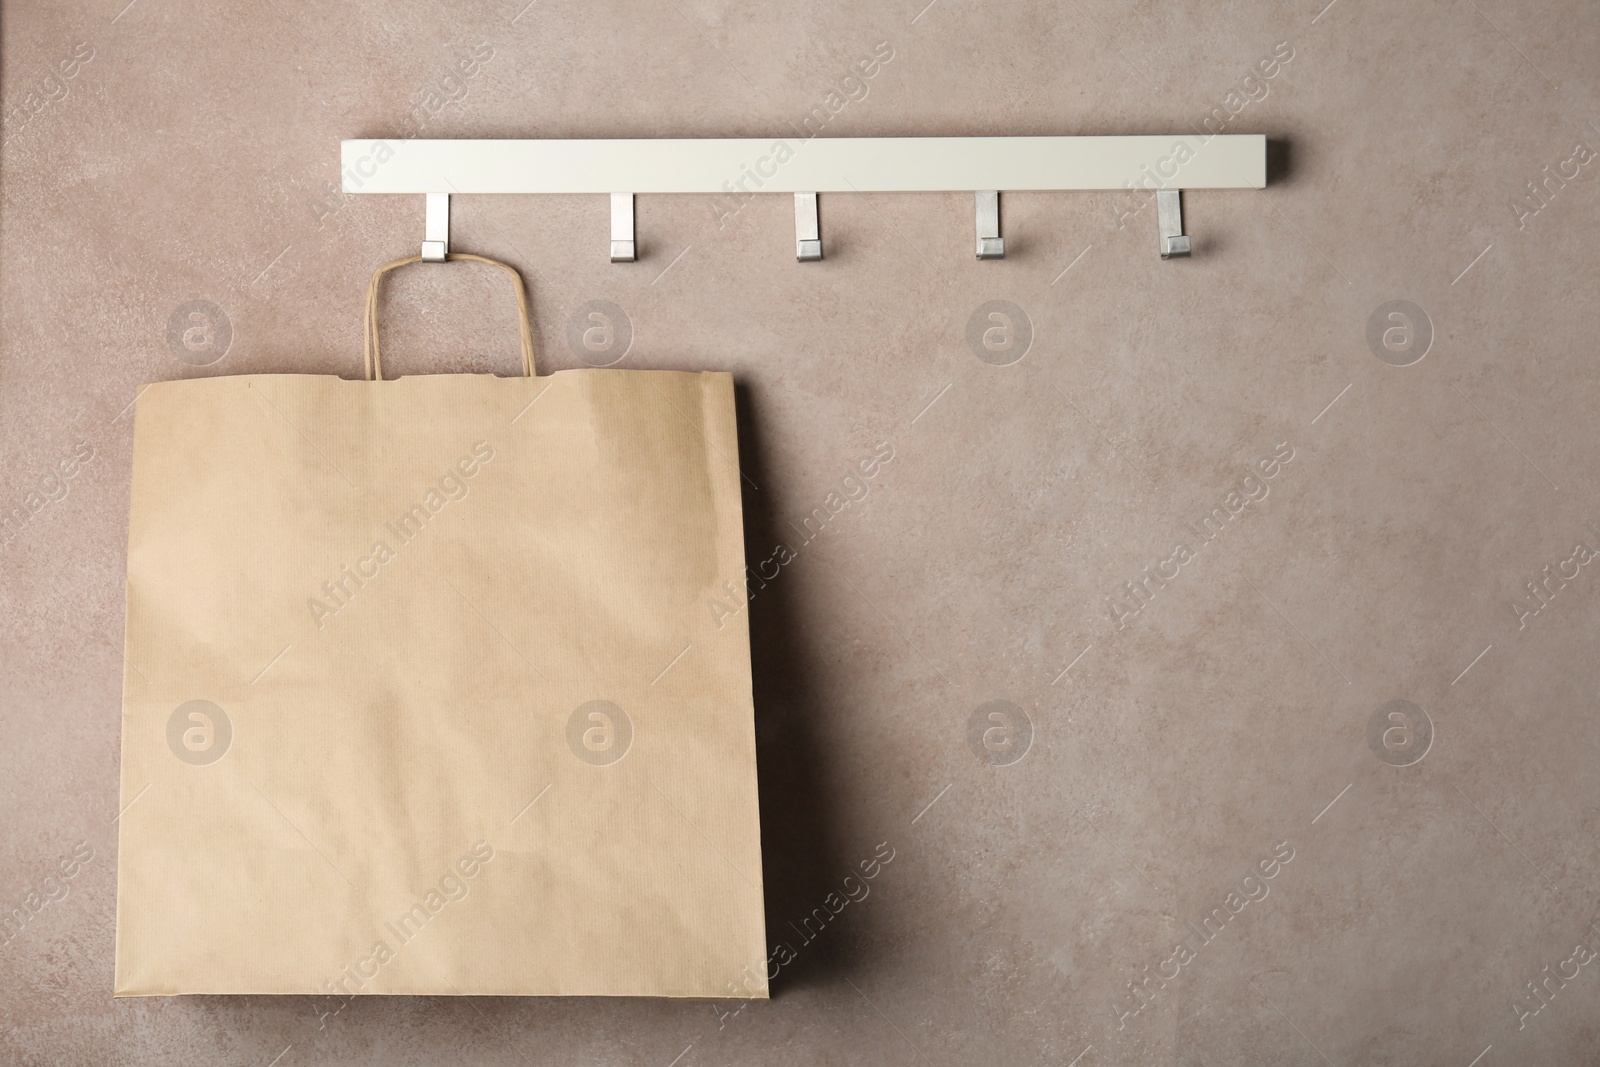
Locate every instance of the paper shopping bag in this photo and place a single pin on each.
(423, 692)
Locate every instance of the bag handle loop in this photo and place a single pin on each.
(373, 361)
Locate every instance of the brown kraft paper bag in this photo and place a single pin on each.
(423, 694)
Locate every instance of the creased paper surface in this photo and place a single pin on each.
(424, 693)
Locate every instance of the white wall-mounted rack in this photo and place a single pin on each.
(738, 167)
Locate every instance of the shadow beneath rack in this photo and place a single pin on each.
(1280, 160)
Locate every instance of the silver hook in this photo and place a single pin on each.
(990, 244)
(1169, 220)
(807, 231)
(436, 228)
(622, 246)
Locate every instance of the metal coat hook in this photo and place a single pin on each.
(990, 244)
(807, 230)
(622, 247)
(1169, 221)
(436, 228)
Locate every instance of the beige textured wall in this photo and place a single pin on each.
(168, 151)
